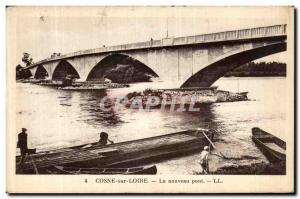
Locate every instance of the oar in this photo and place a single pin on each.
(34, 166)
(212, 144)
(209, 140)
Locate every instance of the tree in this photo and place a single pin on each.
(27, 59)
(18, 71)
(22, 73)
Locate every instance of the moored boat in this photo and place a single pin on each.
(271, 146)
(146, 170)
(123, 154)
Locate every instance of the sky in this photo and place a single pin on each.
(41, 31)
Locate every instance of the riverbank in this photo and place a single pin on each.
(76, 86)
(93, 86)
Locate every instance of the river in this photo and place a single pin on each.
(56, 118)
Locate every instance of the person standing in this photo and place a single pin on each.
(22, 144)
(204, 160)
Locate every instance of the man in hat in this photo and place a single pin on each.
(22, 144)
(204, 160)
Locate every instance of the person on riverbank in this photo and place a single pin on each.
(104, 138)
(204, 160)
(22, 144)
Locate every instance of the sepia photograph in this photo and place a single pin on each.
(157, 96)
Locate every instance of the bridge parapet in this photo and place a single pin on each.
(251, 33)
(269, 31)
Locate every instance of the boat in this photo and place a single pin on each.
(82, 88)
(272, 147)
(147, 170)
(123, 154)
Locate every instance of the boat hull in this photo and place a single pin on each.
(124, 154)
(147, 170)
(262, 139)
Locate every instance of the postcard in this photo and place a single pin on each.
(180, 99)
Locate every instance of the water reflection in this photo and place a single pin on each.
(92, 113)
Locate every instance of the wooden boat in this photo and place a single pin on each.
(123, 154)
(271, 146)
(147, 170)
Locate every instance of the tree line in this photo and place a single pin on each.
(260, 69)
(21, 72)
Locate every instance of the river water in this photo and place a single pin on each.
(56, 118)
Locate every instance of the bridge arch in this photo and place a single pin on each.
(41, 73)
(120, 68)
(63, 69)
(220, 66)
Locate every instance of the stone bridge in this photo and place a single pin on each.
(193, 61)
